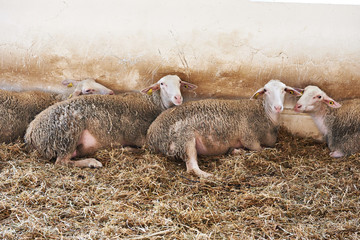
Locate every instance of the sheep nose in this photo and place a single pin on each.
(278, 108)
(111, 93)
(178, 99)
(297, 107)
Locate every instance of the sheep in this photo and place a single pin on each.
(18, 109)
(215, 126)
(87, 87)
(79, 127)
(339, 126)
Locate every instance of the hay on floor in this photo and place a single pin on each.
(294, 191)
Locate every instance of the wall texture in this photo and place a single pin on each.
(229, 48)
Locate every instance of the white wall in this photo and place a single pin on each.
(229, 47)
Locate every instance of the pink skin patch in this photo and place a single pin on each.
(215, 147)
(74, 154)
(278, 109)
(336, 154)
(87, 142)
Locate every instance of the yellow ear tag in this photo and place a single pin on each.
(331, 103)
(70, 85)
(149, 92)
(70, 96)
(256, 95)
(291, 92)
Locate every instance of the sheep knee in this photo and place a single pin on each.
(193, 168)
(236, 151)
(64, 160)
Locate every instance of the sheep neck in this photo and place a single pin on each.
(273, 116)
(158, 101)
(166, 102)
(318, 117)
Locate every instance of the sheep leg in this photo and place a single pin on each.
(191, 161)
(270, 139)
(64, 160)
(337, 154)
(250, 141)
(132, 149)
(236, 151)
(88, 162)
(253, 145)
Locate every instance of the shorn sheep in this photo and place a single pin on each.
(18, 109)
(214, 126)
(78, 127)
(339, 123)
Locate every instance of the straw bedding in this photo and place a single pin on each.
(293, 191)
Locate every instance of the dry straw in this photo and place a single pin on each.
(294, 191)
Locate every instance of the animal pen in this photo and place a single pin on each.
(229, 49)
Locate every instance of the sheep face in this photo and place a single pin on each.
(170, 90)
(169, 87)
(274, 93)
(87, 87)
(312, 100)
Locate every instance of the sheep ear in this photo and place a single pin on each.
(331, 102)
(68, 82)
(300, 90)
(187, 85)
(293, 91)
(258, 93)
(151, 89)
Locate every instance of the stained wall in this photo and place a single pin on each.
(230, 48)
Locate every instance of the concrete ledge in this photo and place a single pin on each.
(300, 124)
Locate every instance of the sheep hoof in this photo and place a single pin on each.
(336, 154)
(88, 162)
(200, 173)
(132, 149)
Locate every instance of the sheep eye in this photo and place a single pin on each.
(161, 83)
(265, 90)
(319, 97)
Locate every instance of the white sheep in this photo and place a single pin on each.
(18, 109)
(214, 126)
(86, 87)
(340, 126)
(78, 127)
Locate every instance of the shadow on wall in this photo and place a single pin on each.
(340, 80)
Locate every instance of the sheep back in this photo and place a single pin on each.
(111, 119)
(216, 121)
(343, 125)
(18, 109)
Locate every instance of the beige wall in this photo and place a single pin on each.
(229, 48)
(233, 46)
